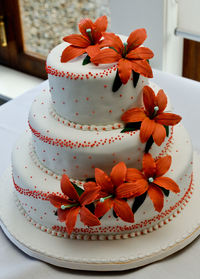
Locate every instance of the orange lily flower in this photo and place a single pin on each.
(73, 204)
(152, 118)
(130, 56)
(150, 179)
(90, 40)
(110, 190)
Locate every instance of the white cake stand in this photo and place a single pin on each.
(100, 255)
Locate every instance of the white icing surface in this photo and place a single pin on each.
(36, 185)
(83, 94)
(77, 152)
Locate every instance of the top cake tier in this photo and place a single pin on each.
(83, 94)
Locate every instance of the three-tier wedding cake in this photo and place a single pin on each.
(105, 157)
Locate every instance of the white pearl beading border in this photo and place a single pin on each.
(82, 127)
(110, 236)
(45, 170)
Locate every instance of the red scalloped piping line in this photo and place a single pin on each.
(54, 72)
(70, 144)
(33, 193)
(169, 142)
(119, 229)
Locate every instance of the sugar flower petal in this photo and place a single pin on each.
(140, 53)
(146, 130)
(106, 56)
(125, 69)
(103, 180)
(159, 134)
(93, 50)
(149, 165)
(70, 53)
(118, 173)
(62, 214)
(57, 201)
(101, 23)
(168, 118)
(84, 24)
(71, 219)
(103, 207)
(68, 189)
(77, 40)
(142, 67)
(167, 183)
(123, 210)
(136, 38)
(162, 165)
(133, 115)
(87, 218)
(134, 174)
(114, 41)
(125, 190)
(161, 100)
(88, 196)
(149, 99)
(140, 187)
(156, 195)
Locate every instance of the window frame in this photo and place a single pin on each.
(14, 55)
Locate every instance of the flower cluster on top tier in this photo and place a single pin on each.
(130, 56)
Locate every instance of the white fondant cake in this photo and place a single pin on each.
(96, 104)
(76, 128)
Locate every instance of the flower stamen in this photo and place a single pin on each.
(89, 32)
(105, 198)
(150, 179)
(63, 207)
(156, 109)
(125, 49)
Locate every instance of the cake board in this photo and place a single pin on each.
(100, 255)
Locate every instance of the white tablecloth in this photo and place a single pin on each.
(14, 264)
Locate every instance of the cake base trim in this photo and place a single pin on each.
(127, 254)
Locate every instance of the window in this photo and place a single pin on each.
(33, 28)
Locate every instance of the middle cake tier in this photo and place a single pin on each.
(65, 147)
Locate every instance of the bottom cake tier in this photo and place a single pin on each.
(33, 183)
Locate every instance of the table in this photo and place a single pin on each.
(185, 97)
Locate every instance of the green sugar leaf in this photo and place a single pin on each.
(86, 60)
(117, 82)
(78, 189)
(138, 202)
(135, 78)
